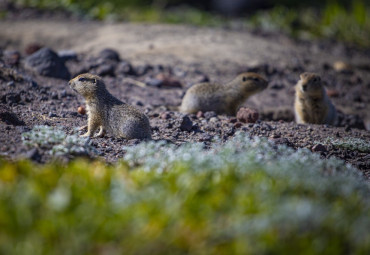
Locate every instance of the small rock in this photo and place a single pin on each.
(142, 70)
(109, 54)
(47, 63)
(342, 67)
(186, 124)
(332, 92)
(33, 154)
(153, 82)
(106, 69)
(33, 84)
(10, 84)
(210, 114)
(165, 116)
(32, 48)
(54, 95)
(205, 137)
(200, 114)
(238, 124)
(12, 57)
(81, 110)
(125, 67)
(10, 118)
(168, 82)
(213, 119)
(52, 115)
(247, 115)
(66, 55)
(318, 148)
(233, 120)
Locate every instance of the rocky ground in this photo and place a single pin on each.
(151, 66)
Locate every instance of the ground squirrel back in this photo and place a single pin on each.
(222, 98)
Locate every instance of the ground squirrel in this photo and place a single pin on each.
(222, 98)
(312, 104)
(107, 112)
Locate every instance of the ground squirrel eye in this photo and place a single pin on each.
(244, 78)
(82, 79)
(256, 79)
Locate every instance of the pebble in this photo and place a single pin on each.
(247, 115)
(233, 120)
(153, 82)
(165, 116)
(238, 124)
(200, 114)
(210, 114)
(32, 48)
(81, 110)
(52, 115)
(319, 148)
(54, 95)
(168, 81)
(106, 69)
(67, 55)
(12, 57)
(186, 124)
(124, 67)
(109, 54)
(213, 119)
(332, 92)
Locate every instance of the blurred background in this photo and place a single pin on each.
(341, 20)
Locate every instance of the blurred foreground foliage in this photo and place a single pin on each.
(347, 21)
(247, 196)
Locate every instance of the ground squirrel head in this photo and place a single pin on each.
(250, 83)
(310, 83)
(88, 85)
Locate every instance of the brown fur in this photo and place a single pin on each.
(312, 105)
(223, 99)
(107, 112)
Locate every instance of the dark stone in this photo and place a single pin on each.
(109, 54)
(52, 115)
(9, 117)
(125, 67)
(33, 154)
(106, 69)
(54, 95)
(186, 124)
(47, 63)
(319, 148)
(142, 70)
(12, 57)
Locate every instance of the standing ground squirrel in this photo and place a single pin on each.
(222, 98)
(107, 112)
(312, 105)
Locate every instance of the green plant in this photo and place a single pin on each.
(57, 141)
(350, 143)
(245, 196)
